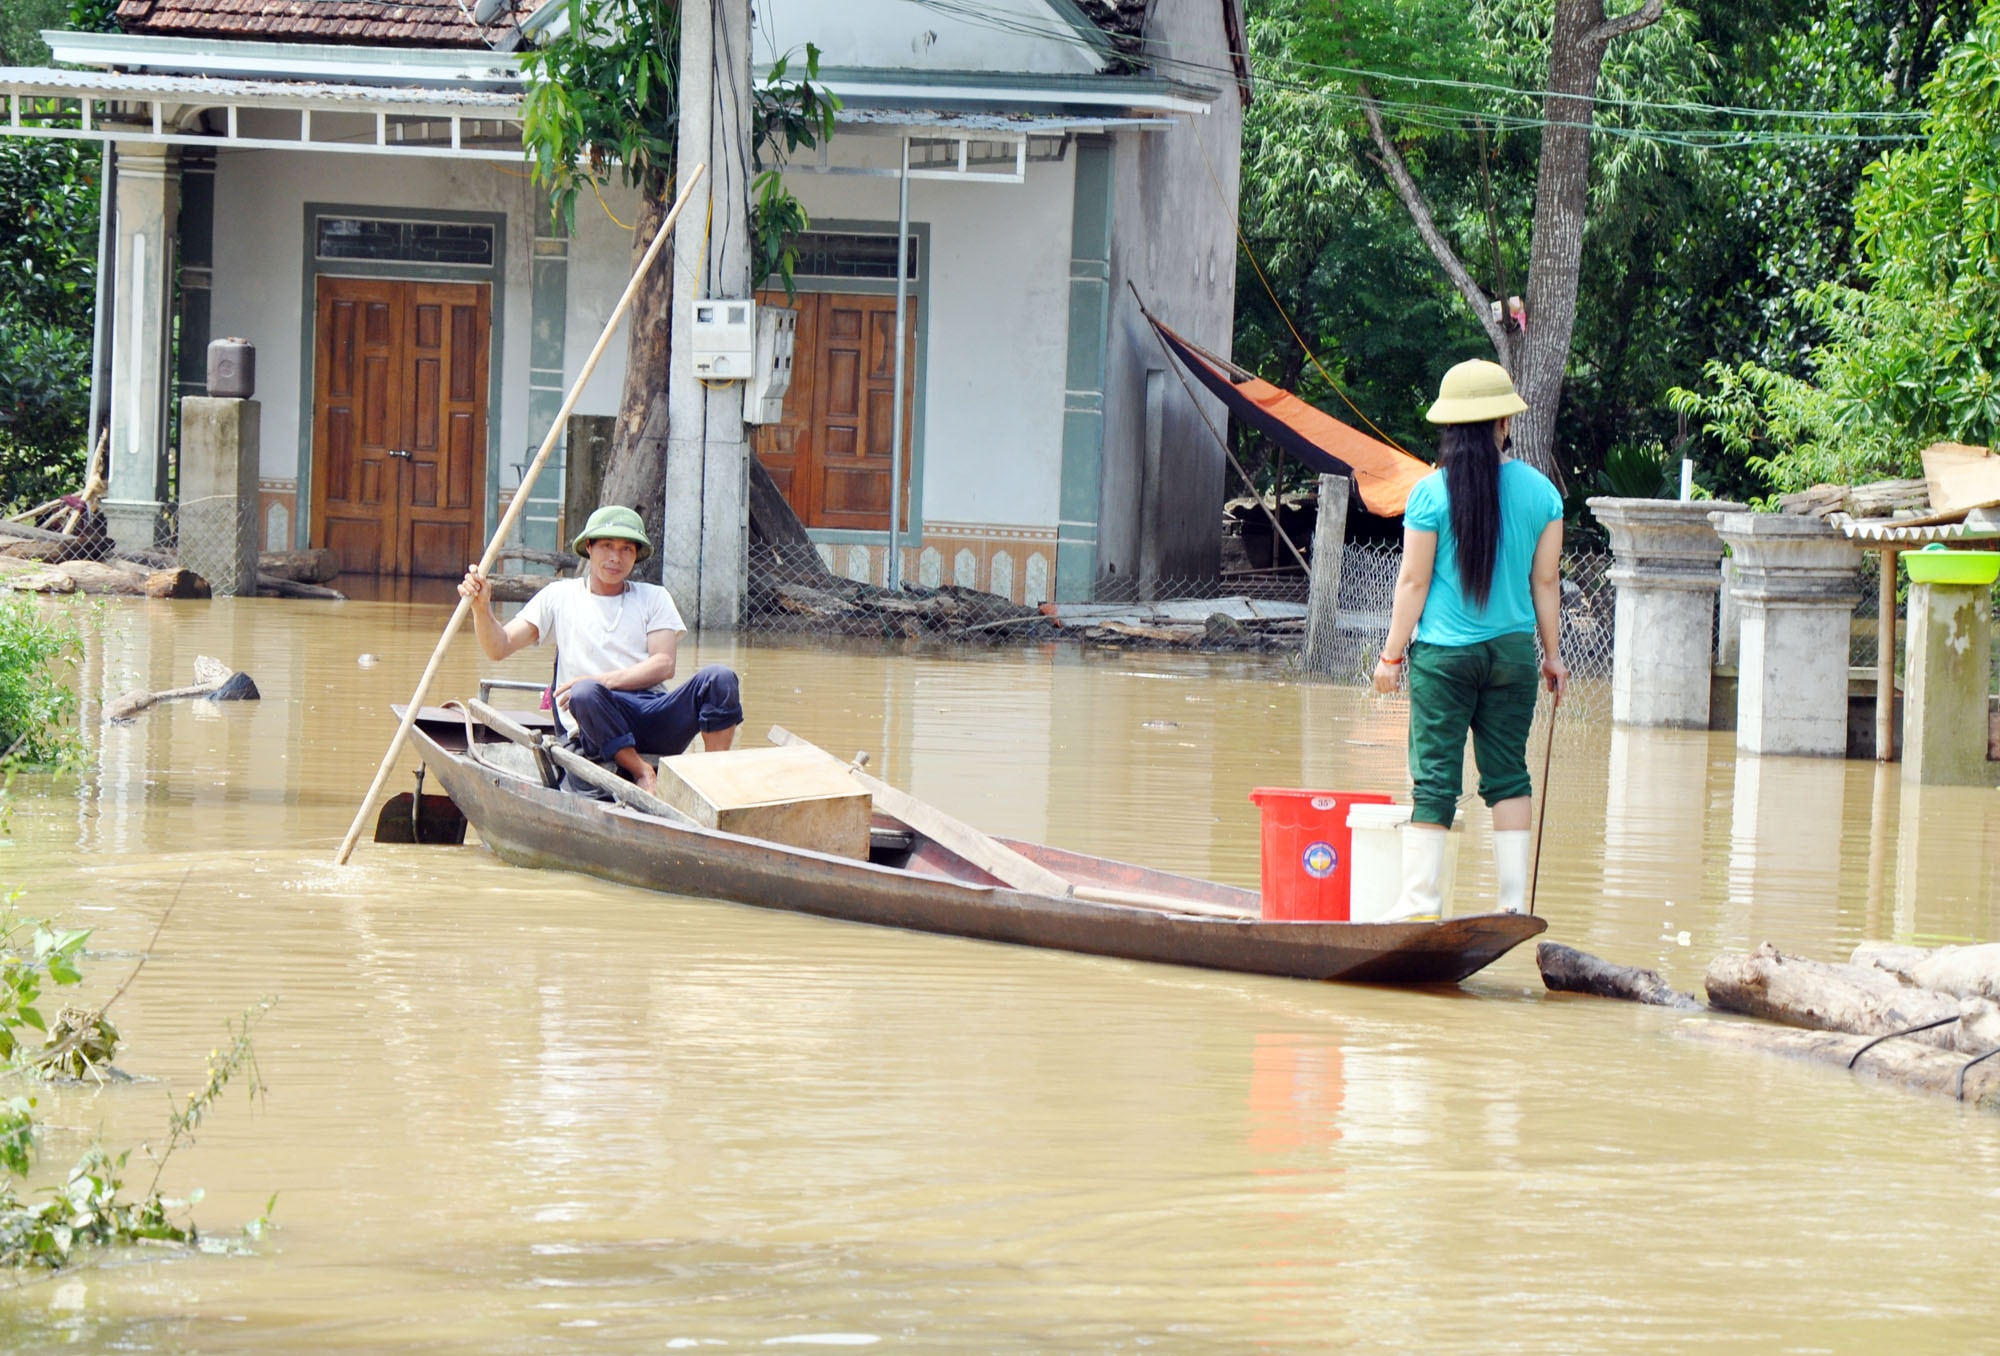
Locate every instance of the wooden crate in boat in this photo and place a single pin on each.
(798, 796)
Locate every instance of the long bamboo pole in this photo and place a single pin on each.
(514, 508)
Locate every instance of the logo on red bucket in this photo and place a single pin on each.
(1323, 802)
(1319, 860)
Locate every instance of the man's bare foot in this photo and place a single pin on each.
(647, 781)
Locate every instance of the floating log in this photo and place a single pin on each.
(1567, 970)
(210, 676)
(1922, 1067)
(316, 566)
(1961, 971)
(1853, 998)
(277, 587)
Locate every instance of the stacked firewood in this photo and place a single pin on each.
(1879, 499)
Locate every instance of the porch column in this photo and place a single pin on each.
(1949, 668)
(1666, 569)
(1797, 581)
(147, 205)
(1081, 501)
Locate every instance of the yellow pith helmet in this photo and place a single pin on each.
(1473, 393)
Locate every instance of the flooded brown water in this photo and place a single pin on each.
(513, 1111)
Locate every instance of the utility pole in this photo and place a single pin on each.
(705, 547)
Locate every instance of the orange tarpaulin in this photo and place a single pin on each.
(1383, 475)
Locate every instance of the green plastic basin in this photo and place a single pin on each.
(1938, 564)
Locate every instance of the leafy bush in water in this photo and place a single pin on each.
(39, 644)
(90, 1206)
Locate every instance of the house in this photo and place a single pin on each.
(341, 182)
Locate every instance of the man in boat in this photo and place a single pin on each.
(616, 643)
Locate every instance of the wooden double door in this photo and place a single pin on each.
(831, 455)
(399, 424)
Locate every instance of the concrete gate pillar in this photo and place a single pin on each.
(1667, 572)
(147, 205)
(1944, 697)
(218, 492)
(1797, 581)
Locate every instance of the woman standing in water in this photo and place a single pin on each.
(1482, 550)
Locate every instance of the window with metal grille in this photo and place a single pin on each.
(845, 254)
(464, 244)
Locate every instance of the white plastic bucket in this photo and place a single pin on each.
(1376, 858)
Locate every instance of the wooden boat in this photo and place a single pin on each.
(915, 880)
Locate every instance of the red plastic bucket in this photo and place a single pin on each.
(1306, 850)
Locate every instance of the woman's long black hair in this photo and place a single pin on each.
(1471, 459)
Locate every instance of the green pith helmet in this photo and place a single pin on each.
(1475, 392)
(617, 523)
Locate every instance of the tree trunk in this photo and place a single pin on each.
(1921, 1067)
(636, 475)
(1859, 999)
(1577, 44)
(1961, 971)
(1567, 970)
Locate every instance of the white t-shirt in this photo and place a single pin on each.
(595, 633)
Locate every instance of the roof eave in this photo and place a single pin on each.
(441, 66)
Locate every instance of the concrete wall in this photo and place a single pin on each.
(1173, 236)
(260, 275)
(991, 406)
(1004, 36)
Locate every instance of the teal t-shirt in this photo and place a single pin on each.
(1528, 503)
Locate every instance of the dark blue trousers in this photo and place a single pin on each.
(661, 723)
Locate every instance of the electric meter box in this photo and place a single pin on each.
(777, 336)
(725, 339)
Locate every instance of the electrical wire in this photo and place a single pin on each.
(1457, 118)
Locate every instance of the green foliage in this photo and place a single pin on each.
(796, 113)
(1707, 217)
(21, 25)
(606, 93)
(1345, 265)
(31, 951)
(40, 645)
(90, 1207)
(48, 245)
(1639, 471)
(48, 260)
(1912, 355)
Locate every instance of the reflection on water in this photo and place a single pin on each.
(518, 1111)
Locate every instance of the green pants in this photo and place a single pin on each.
(1488, 688)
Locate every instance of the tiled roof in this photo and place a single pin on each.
(428, 23)
(381, 23)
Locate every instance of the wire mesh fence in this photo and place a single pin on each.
(215, 538)
(835, 590)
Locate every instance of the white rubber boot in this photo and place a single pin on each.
(1421, 898)
(1510, 864)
